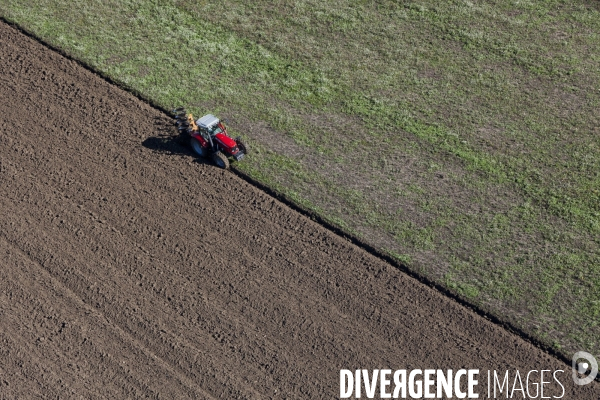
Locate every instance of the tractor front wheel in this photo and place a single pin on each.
(241, 145)
(220, 160)
(197, 147)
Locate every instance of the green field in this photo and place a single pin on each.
(460, 137)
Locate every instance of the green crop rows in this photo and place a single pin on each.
(461, 137)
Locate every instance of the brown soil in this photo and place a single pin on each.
(129, 269)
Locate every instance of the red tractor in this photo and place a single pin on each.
(209, 139)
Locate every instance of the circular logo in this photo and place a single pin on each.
(580, 368)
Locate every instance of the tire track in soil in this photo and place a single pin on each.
(237, 295)
(59, 348)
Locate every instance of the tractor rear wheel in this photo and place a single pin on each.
(220, 160)
(197, 147)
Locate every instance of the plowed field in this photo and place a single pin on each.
(130, 269)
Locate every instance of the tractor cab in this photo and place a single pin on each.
(210, 125)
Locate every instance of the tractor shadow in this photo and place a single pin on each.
(168, 141)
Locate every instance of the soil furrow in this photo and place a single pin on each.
(62, 341)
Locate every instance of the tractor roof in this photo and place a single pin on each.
(208, 121)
